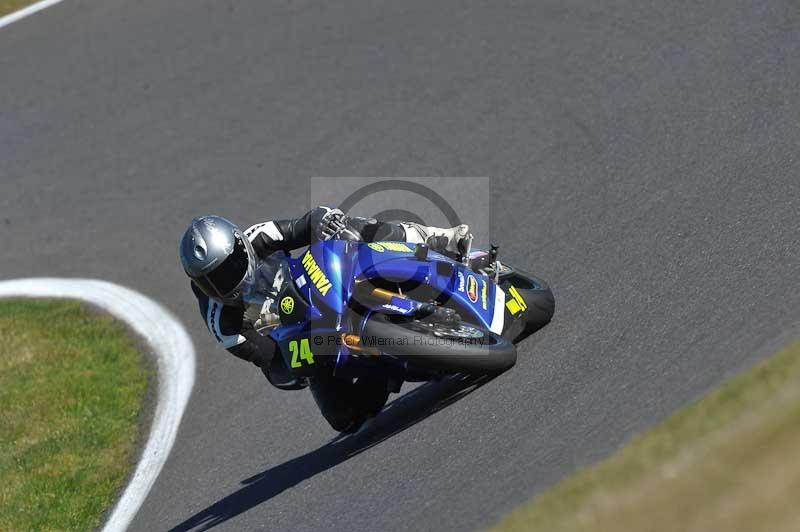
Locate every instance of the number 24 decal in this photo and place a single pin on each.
(303, 352)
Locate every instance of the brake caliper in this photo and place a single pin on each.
(438, 314)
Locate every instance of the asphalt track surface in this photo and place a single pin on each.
(643, 160)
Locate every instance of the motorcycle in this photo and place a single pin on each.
(403, 312)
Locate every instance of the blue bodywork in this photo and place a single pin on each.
(325, 277)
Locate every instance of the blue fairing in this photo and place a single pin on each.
(483, 306)
(327, 265)
(325, 275)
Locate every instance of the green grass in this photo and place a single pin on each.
(71, 389)
(8, 6)
(729, 461)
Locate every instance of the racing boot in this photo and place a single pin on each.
(452, 241)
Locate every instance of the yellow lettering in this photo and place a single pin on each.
(315, 273)
(517, 303)
(396, 246)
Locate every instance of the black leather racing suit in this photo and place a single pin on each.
(344, 404)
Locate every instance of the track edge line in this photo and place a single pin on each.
(27, 11)
(175, 360)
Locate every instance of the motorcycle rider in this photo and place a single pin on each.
(221, 260)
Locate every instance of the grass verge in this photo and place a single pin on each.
(71, 389)
(729, 461)
(9, 6)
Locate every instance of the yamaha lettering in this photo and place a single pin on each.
(315, 273)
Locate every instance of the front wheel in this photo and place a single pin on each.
(455, 348)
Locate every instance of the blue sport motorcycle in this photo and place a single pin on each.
(402, 312)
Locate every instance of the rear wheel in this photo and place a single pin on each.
(452, 347)
(346, 403)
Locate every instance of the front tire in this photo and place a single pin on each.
(453, 348)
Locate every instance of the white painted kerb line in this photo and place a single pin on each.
(175, 356)
(27, 11)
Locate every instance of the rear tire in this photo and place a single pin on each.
(461, 348)
(346, 404)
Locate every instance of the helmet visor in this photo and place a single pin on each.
(226, 277)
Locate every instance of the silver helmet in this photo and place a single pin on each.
(217, 257)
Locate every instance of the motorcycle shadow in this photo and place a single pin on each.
(402, 413)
